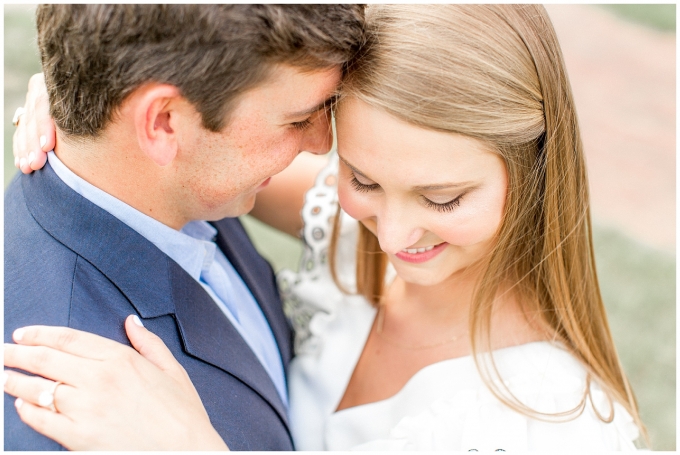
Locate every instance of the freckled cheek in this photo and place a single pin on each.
(265, 159)
(281, 153)
(358, 206)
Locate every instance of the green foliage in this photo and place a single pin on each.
(281, 250)
(660, 17)
(21, 61)
(638, 288)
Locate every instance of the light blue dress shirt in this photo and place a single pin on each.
(194, 249)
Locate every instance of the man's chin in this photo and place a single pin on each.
(236, 208)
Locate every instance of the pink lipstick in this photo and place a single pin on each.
(418, 255)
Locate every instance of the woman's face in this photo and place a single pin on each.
(434, 200)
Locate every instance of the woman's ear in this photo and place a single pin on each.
(154, 118)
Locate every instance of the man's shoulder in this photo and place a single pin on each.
(43, 275)
(14, 197)
(25, 239)
(38, 268)
(46, 283)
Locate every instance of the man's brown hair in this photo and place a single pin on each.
(94, 56)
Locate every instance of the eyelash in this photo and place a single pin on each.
(360, 187)
(445, 207)
(303, 125)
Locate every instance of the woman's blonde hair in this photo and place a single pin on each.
(495, 73)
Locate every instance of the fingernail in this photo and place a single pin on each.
(31, 157)
(137, 321)
(18, 403)
(22, 162)
(43, 141)
(18, 334)
(5, 377)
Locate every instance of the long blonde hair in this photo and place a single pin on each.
(495, 73)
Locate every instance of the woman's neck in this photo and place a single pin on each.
(444, 308)
(448, 301)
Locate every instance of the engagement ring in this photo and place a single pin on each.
(46, 397)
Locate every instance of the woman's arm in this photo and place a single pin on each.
(110, 397)
(280, 203)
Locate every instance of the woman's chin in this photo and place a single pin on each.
(420, 276)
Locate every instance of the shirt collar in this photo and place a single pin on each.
(192, 247)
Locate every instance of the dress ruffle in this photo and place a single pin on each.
(473, 419)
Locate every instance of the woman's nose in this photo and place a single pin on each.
(397, 229)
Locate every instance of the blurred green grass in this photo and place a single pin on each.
(660, 17)
(638, 288)
(21, 61)
(638, 282)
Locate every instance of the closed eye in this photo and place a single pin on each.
(443, 207)
(362, 187)
(446, 206)
(303, 125)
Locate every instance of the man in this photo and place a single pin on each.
(167, 116)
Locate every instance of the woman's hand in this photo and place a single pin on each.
(110, 397)
(35, 134)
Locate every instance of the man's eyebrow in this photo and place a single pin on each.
(322, 105)
(434, 187)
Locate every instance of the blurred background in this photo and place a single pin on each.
(621, 64)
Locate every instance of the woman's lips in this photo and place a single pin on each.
(423, 256)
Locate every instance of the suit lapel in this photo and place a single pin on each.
(258, 276)
(153, 283)
(135, 265)
(208, 335)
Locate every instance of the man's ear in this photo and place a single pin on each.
(153, 118)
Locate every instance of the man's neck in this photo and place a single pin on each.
(119, 168)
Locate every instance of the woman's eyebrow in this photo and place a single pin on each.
(441, 186)
(355, 170)
(430, 187)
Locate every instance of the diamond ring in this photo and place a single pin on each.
(46, 397)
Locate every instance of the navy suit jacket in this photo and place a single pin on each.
(70, 263)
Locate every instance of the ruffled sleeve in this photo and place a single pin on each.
(330, 327)
(310, 293)
(473, 419)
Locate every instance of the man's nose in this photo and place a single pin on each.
(397, 230)
(318, 138)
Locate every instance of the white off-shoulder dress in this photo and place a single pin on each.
(446, 405)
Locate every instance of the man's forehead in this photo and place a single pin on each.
(292, 93)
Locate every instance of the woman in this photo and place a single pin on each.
(471, 317)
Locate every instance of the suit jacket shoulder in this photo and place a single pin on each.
(88, 270)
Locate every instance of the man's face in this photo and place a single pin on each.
(219, 174)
